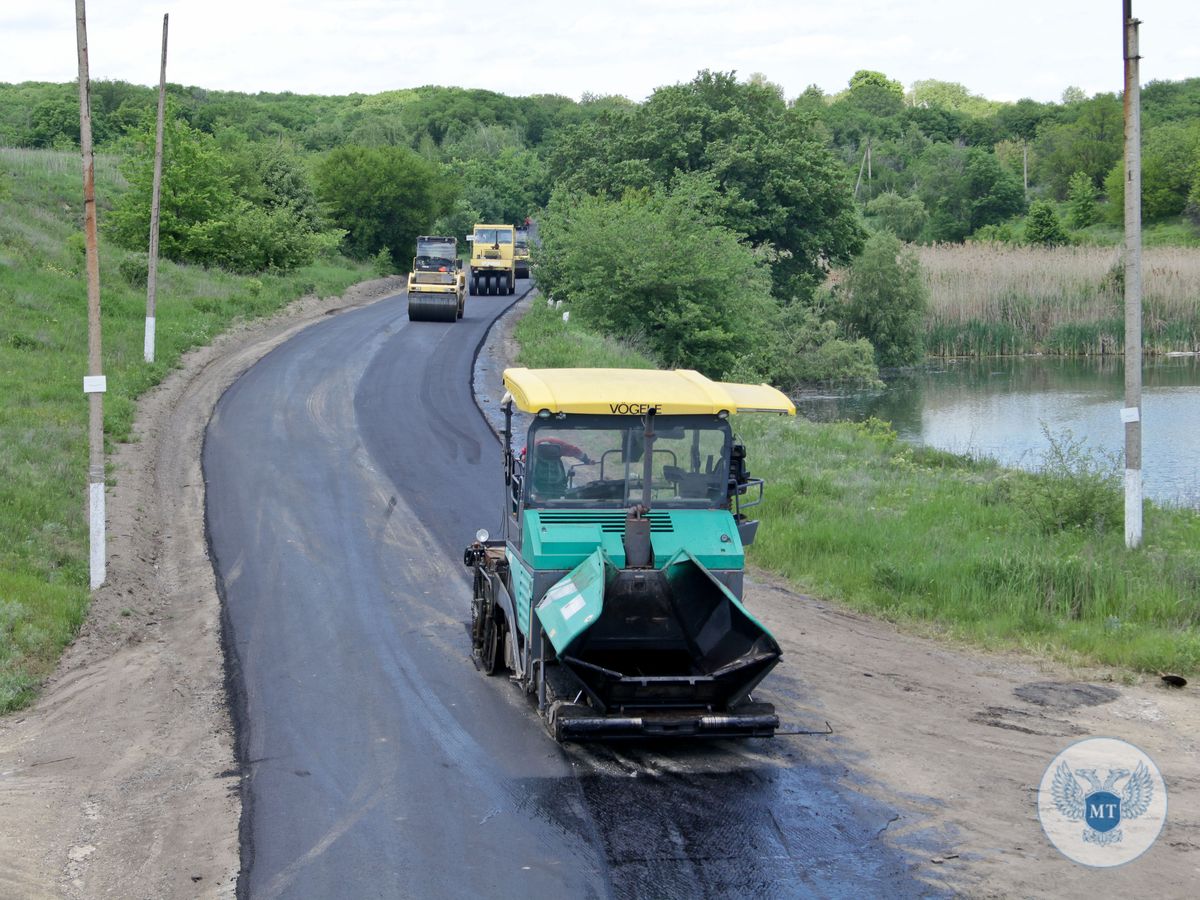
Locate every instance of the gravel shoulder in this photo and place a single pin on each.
(122, 780)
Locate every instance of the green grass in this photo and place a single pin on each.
(547, 342)
(43, 358)
(1174, 232)
(951, 545)
(922, 536)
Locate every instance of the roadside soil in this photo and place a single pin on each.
(955, 739)
(122, 779)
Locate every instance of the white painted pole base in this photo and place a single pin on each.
(96, 533)
(148, 346)
(96, 530)
(1133, 508)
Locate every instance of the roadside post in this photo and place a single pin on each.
(94, 384)
(1131, 414)
(152, 263)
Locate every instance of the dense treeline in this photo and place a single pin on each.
(716, 207)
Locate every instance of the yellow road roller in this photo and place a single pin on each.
(493, 269)
(437, 285)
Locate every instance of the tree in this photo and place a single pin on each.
(1170, 163)
(885, 300)
(655, 266)
(1081, 201)
(1043, 227)
(212, 212)
(777, 182)
(384, 197)
(965, 188)
(1090, 142)
(904, 217)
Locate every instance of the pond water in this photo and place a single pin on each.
(1000, 408)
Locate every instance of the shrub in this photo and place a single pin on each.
(886, 300)
(654, 266)
(1074, 488)
(1081, 201)
(1043, 227)
(135, 270)
(904, 217)
(382, 264)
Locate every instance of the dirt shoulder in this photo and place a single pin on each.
(121, 780)
(954, 739)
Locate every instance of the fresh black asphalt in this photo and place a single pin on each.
(345, 472)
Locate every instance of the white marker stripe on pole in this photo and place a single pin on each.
(95, 384)
(148, 345)
(96, 522)
(1133, 507)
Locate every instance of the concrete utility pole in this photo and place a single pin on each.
(152, 265)
(1131, 415)
(94, 383)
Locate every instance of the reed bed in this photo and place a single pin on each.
(992, 299)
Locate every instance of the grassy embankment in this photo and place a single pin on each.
(948, 544)
(43, 411)
(997, 300)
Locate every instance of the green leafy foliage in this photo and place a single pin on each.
(1088, 140)
(248, 219)
(904, 217)
(653, 267)
(813, 350)
(1081, 201)
(1170, 167)
(505, 187)
(1043, 227)
(777, 183)
(1074, 487)
(885, 300)
(964, 188)
(384, 197)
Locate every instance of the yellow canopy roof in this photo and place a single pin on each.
(633, 391)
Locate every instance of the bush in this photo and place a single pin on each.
(1074, 488)
(654, 267)
(904, 217)
(886, 300)
(382, 264)
(1043, 227)
(814, 352)
(384, 197)
(1081, 201)
(135, 270)
(202, 217)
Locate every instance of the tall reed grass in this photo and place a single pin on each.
(993, 299)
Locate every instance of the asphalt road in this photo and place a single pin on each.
(345, 473)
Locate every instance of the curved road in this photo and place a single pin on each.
(345, 472)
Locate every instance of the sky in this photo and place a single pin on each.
(1002, 49)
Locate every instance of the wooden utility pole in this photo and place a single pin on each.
(93, 383)
(1025, 166)
(1131, 414)
(152, 264)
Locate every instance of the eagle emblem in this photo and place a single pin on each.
(1098, 805)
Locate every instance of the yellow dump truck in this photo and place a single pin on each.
(493, 269)
(437, 285)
